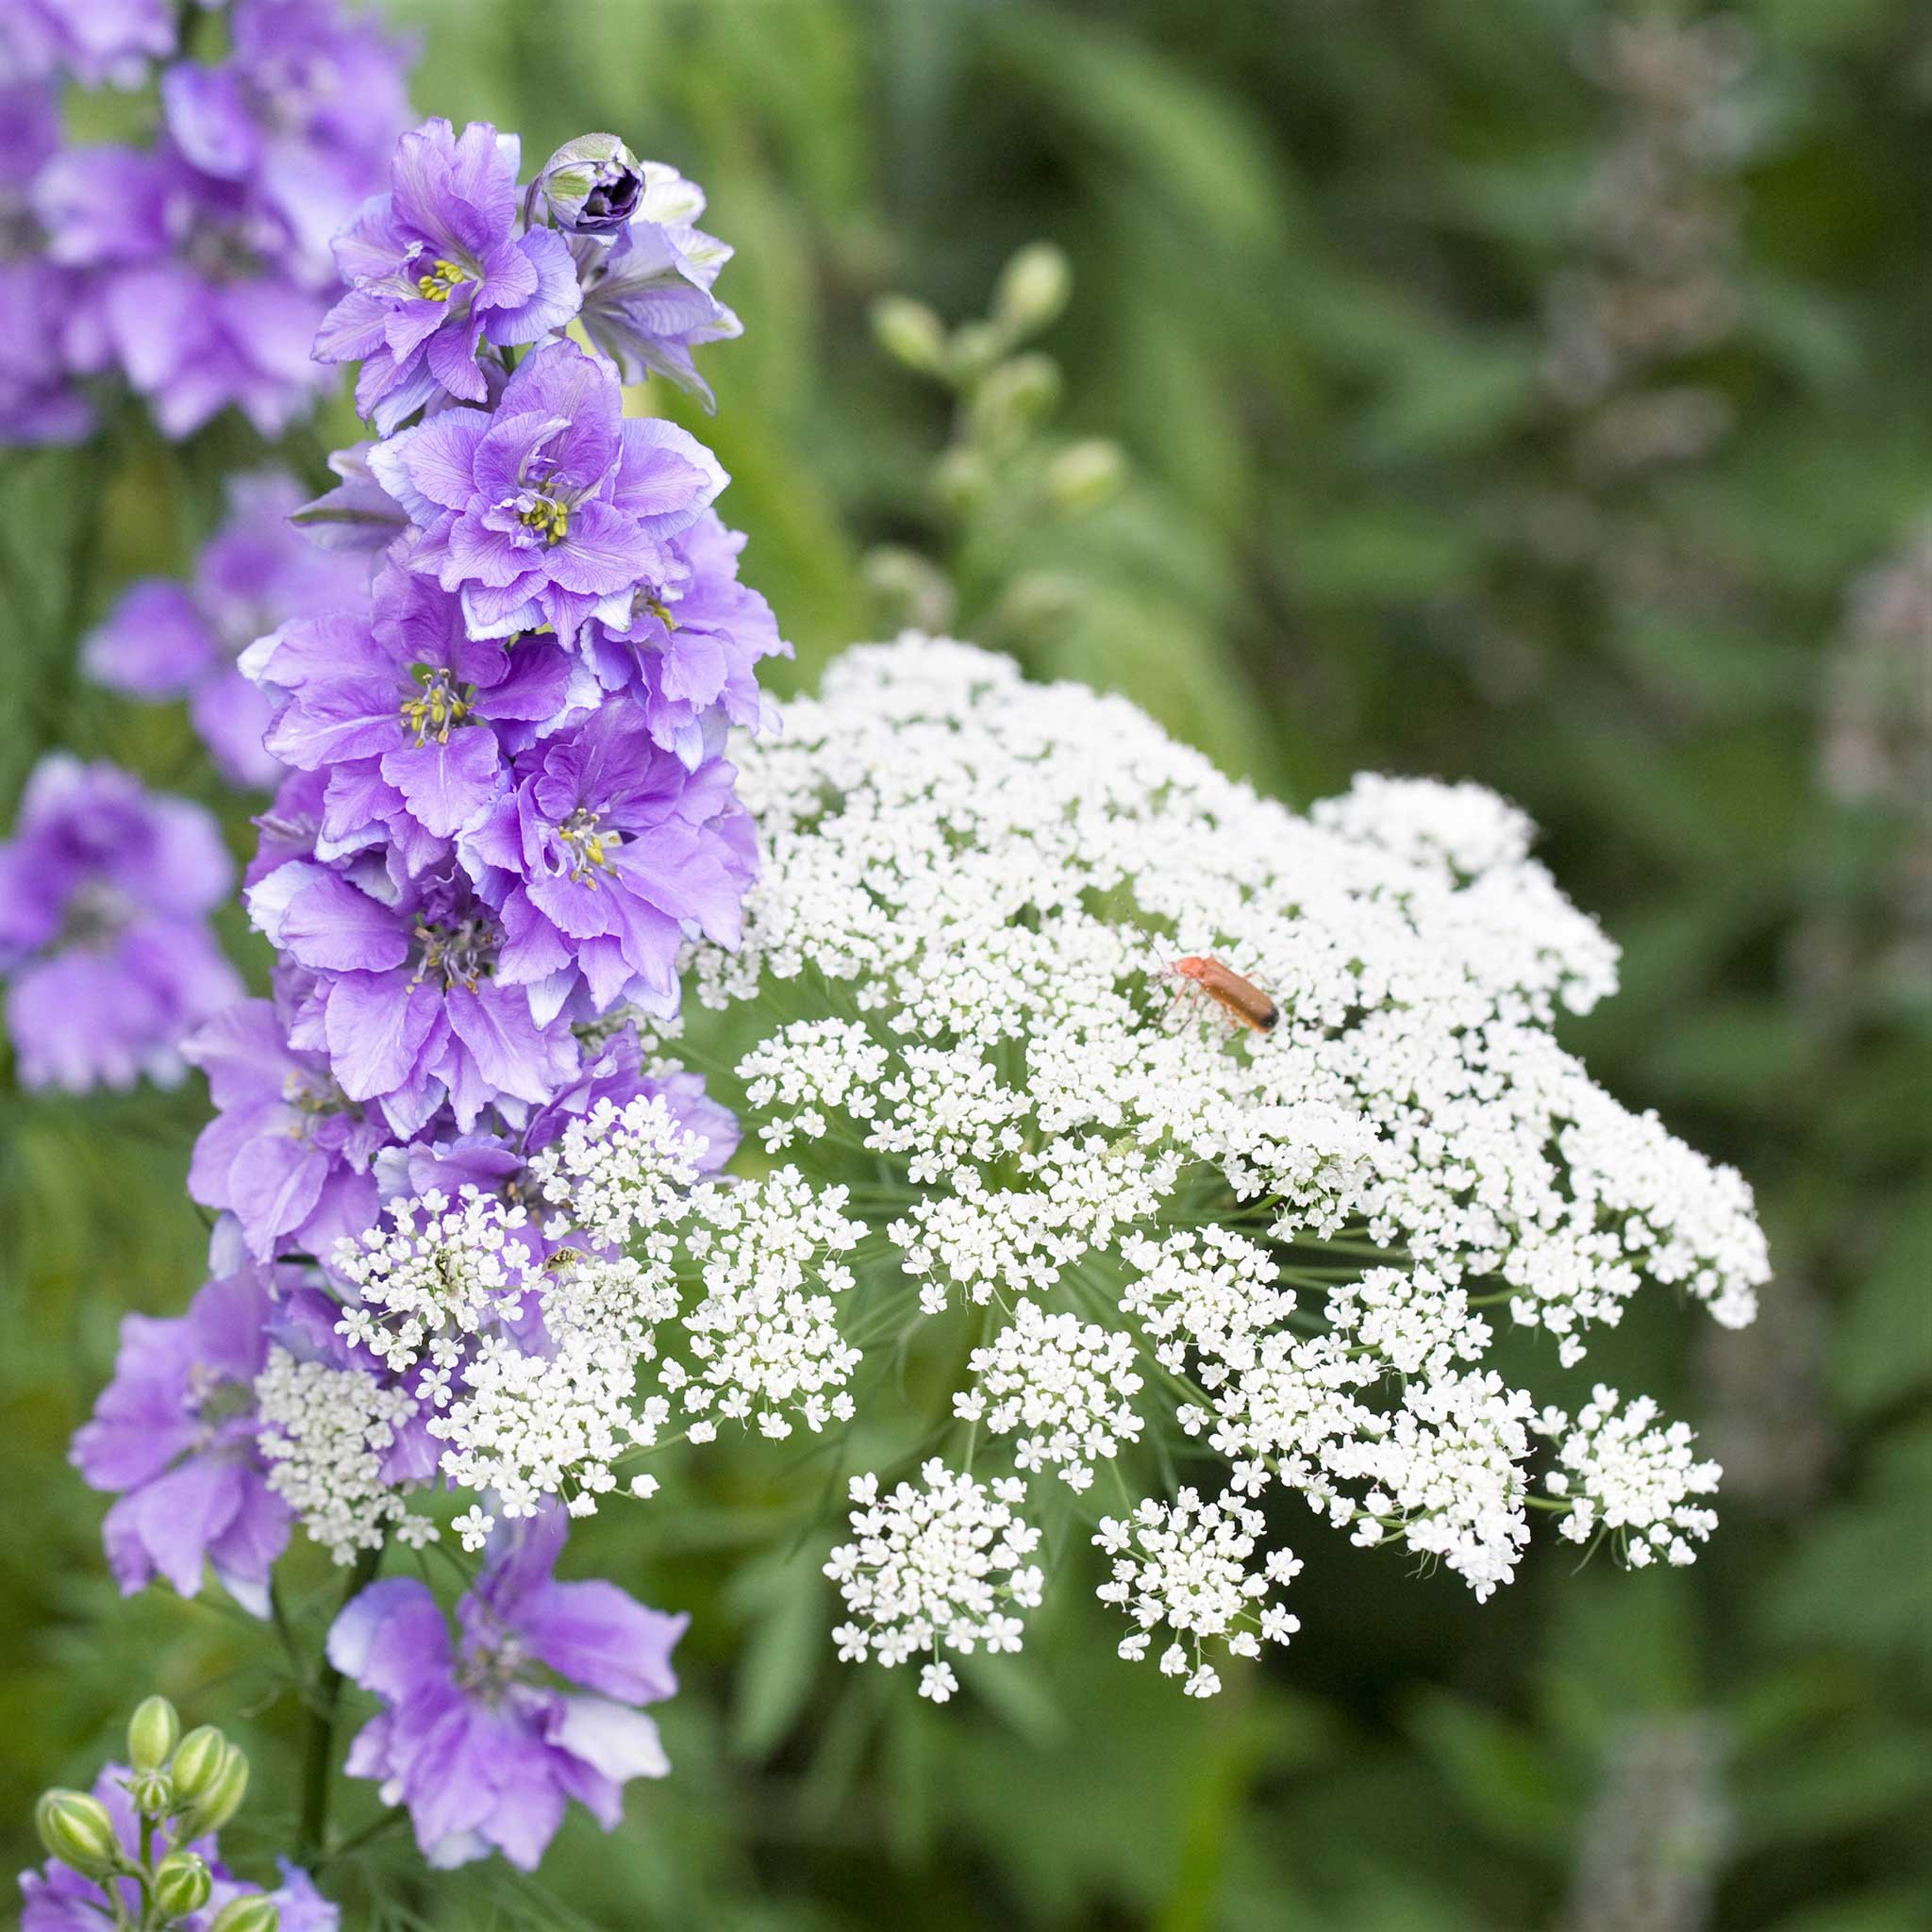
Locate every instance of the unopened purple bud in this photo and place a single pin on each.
(593, 184)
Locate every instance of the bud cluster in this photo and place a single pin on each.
(140, 1846)
(1000, 461)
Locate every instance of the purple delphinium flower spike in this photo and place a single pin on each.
(104, 888)
(487, 1741)
(174, 1434)
(168, 640)
(553, 508)
(435, 268)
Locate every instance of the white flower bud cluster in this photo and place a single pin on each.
(327, 1433)
(1292, 1241)
(1622, 1474)
(1070, 1385)
(930, 1568)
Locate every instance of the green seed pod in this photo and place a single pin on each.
(256, 1914)
(76, 1830)
(153, 1792)
(910, 333)
(153, 1732)
(222, 1800)
(183, 1883)
(1033, 288)
(198, 1760)
(1083, 477)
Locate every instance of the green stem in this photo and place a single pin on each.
(318, 1760)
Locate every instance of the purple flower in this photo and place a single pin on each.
(38, 402)
(174, 1435)
(95, 41)
(103, 889)
(407, 1004)
(436, 268)
(484, 1748)
(411, 719)
(688, 654)
(554, 507)
(57, 1898)
(597, 860)
(287, 1154)
(169, 640)
(305, 111)
(647, 294)
(194, 314)
(206, 260)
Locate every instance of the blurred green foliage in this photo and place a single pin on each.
(1500, 398)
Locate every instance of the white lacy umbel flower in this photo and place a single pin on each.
(934, 1567)
(1050, 1205)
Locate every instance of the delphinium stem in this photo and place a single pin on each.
(318, 1759)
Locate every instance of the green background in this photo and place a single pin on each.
(1317, 246)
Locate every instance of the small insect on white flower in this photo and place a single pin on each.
(1242, 1000)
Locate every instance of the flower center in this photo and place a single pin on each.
(94, 915)
(587, 845)
(547, 515)
(441, 704)
(217, 1398)
(443, 277)
(459, 955)
(487, 1670)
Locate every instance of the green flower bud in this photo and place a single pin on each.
(963, 480)
(183, 1883)
(909, 590)
(222, 1800)
(259, 1913)
(76, 1830)
(153, 1792)
(910, 333)
(975, 348)
(1083, 477)
(1037, 605)
(593, 184)
(1015, 396)
(1033, 288)
(198, 1760)
(153, 1732)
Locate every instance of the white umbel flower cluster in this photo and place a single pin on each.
(327, 1435)
(929, 1569)
(1292, 1240)
(1624, 1474)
